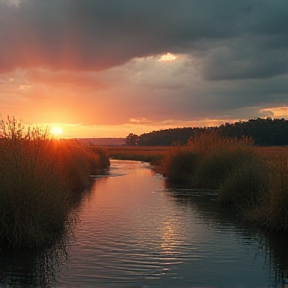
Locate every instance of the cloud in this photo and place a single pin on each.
(144, 88)
(235, 40)
(240, 59)
(101, 62)
(14, 3)
(275, 112)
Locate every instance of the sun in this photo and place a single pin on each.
(56, 131)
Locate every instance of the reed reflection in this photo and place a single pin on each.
(206, 205)
(25, 268)
(32, 269)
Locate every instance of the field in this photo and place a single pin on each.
(146, 153)
(153, 154)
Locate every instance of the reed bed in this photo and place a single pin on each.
(254, 179)
(38, 177)
(211, 156)
(152, 154)
(273, 214)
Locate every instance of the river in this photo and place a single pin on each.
(134, 230)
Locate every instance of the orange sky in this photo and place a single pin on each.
(106, 69)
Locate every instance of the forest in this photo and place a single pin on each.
(264, 132)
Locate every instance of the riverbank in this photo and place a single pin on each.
(133, 230)
(152, 154)
(252, 178)
(39, 179)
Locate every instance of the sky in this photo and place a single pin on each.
(107, 68)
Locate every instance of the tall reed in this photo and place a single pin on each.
(256, 183)
(179, 164)
(246, 185)
(273, 215)
(37, 177)
(206, 159)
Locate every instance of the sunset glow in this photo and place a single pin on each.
(175, 71)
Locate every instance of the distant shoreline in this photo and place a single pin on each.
(102, 141)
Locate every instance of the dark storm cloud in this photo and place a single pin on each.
(234, 39)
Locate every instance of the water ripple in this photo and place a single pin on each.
(136, 232)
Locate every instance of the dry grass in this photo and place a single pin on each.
(273, 214)
(37, 177)
(153, 154)
(253, 178)
(211, 156)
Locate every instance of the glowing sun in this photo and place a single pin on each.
(56, 131)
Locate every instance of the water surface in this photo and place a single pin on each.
(135, 231)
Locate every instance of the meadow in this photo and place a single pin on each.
(40, 178)
(255, 179)
(152, 154)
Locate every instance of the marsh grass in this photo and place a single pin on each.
(38, 176)
(180, 164)
(253, 179)
(152, 154)
(246, 185)
(273, 215)
(214, 168)
(206, 160)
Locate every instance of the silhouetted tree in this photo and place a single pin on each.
(132, 139)
(264, 132)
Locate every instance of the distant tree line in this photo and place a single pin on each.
(264, 132)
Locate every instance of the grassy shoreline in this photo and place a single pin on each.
(39, 179)
(244, 176)
(255, 179)
(152, 154)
